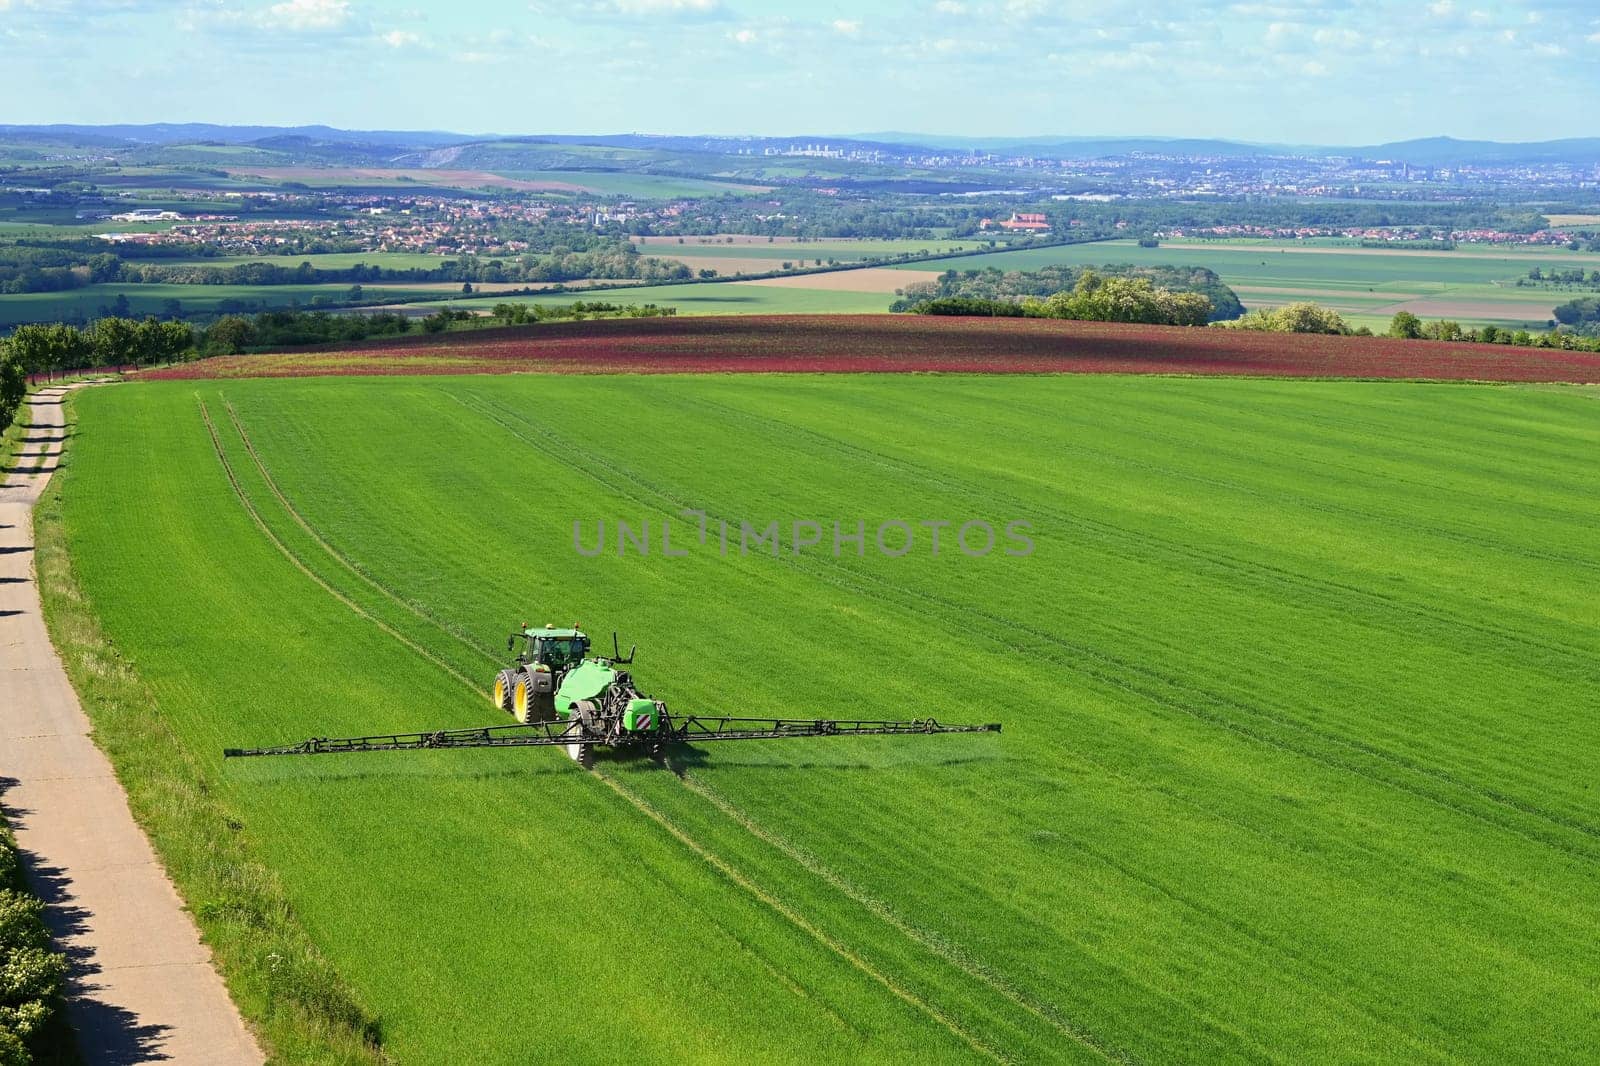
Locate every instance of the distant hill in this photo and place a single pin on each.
(325, 144)
(1429, 151)
(1447, 151)
(191, 132)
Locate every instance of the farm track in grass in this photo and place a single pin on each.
(1295, 753)
(863, 343)
(300, 563)
(334, 553)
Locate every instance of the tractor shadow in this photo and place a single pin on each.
(103, 1032)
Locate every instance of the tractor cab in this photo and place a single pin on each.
(556, 649)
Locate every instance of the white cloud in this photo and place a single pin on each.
(648, 9)
(848, 27)
(950, 7)
(300, 15)
(1337, 37)
(743, 36)
(1314, 69)
(400, 38)
(1441, 8)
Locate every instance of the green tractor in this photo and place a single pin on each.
(555, 679)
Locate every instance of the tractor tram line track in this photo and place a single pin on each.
(952, 953)
(721, 865)
(795, 918)
(1307, 979)
(1123, 674)
(334, 553)
(299, 564)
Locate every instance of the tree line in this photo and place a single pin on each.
(57, 347)
(1583, 315)
(1314, 318)
(48, 350)
(1016, 286)
(1570, 278)
(30, 269)
(1092, 298)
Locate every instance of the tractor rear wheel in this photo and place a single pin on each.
(505, 686)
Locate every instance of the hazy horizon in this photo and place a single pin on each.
(920, 137)
(1334, 72)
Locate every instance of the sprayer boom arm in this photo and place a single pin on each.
(604, 731)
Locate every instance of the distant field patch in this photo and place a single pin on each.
(724, 265)
(643, 186)
(862, 279)
(321, 261)
(843, 249)
(1476, 310)
(728, 238)
(1574, 220)
(94, 300)
(716, 298)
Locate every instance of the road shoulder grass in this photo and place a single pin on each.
(300, 1008)
(11, 439)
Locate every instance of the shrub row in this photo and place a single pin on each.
(31, 974)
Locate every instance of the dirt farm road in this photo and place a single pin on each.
(142, 985)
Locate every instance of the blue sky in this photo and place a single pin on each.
(1297, 71)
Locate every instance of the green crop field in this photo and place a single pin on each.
(323, 260)
(843, 250)
(92, 300)
(636, 185)
(1297, 685)
(710, 298)
(1470, 285)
